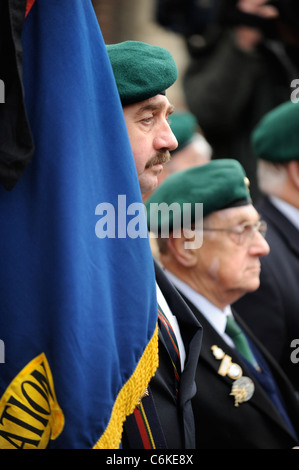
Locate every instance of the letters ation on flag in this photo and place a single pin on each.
(31, 415)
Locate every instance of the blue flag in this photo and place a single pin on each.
(78, 313)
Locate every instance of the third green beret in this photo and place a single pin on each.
(141, 70)
(184, 125)
(218, 185)
(276, 137)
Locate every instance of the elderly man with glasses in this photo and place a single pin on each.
(243, 399)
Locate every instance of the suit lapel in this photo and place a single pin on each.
(283, 226)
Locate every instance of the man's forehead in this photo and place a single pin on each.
(237, 215)
(158, 102)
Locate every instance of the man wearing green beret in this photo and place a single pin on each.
(143, 73)
(243, 399)
(276, 146)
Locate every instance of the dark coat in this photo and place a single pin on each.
(254, 424)
(230, 90)
(272, 312)
(176, 414)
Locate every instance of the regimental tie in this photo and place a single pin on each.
(171, 344)
(234, 331)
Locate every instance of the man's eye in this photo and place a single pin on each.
(147, 120)
(248, 229)
(241, 229)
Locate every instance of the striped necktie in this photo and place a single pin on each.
(171, 344)
(240, 341)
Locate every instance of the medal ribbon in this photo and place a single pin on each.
(171, 344)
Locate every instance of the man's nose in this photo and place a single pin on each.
(165, 139)
(260, 246)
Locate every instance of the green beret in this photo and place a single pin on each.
(141, 71)
(184, 125)
(276, 137)
(219, 184)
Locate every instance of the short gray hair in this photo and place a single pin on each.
(271, 177)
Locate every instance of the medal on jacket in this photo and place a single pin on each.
(242, 390)
(243, 387)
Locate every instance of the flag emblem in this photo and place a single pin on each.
(31, 416)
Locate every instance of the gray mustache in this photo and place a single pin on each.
(159, 159)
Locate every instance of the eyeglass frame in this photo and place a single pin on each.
(260, 226)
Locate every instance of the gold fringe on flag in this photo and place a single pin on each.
(130, 395)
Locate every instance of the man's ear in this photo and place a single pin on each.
(293, 171)
(187, 257)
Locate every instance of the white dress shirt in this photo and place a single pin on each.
(174, 323)
(289, 211)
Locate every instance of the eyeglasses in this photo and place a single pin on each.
(244, 232)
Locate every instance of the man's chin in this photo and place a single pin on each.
(148, 185)
(157, 169)
(253, 286)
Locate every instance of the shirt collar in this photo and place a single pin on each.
(213, 314)
(289, 211)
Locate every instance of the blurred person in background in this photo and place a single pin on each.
(272, 312)
(243, 59)
(192, 150)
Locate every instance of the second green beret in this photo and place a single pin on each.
(184, 125)
(276, 137)
(141, 70)
(218, 185)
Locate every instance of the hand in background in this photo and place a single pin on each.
(258, 7)
(248, 38)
